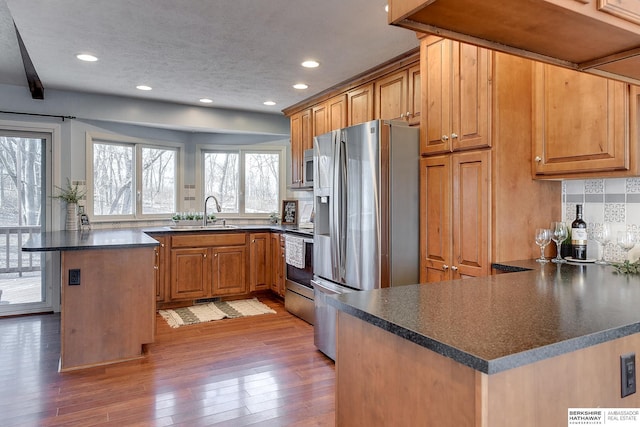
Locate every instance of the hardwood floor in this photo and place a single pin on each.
(261, 370)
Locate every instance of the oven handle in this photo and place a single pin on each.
(307, 240)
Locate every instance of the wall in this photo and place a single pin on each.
(131, 117)
(613, 201)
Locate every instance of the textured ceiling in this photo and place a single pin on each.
(238, 53)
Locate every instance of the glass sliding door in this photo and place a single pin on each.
(23, 170)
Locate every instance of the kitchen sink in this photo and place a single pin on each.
(200, 227)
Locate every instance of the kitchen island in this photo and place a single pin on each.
(509, 349)
(108, 294)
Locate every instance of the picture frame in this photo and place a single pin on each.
(289, 212)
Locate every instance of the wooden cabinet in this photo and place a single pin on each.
(482, 206)
(330, 115)
(228, 270)
(205, 265)
(360, 105)
(301, 139)
(455, 205)
(391, 96)
(456, 93)
(582, 125)
(260, 261)
(190, 273)
(595, 36)
(397, 96)
(161, 266)
(278, 267)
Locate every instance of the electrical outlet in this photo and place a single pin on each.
(74, 277)
(627, 374)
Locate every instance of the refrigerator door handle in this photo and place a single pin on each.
(334, 206)
(342, 220)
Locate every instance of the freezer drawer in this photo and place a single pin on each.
(324, 329)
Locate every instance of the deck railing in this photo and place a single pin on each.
(13, 259)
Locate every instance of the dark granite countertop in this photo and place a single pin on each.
(91, 239)
(508, 320)
(129, 237)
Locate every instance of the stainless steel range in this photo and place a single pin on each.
(298, 298)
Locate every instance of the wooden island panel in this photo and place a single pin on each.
(111, 314)
(384, 379)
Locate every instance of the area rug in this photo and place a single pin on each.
(214, 311)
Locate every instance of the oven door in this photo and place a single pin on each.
(298, 298)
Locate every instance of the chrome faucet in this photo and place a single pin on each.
(205, 219)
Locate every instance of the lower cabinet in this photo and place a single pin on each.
(228, 270)
(208, 265)
(278, 267)
(260, 261)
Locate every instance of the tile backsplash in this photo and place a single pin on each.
(614, 201)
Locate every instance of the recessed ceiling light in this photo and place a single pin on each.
(386, 8)
(86, 57)
(310, 64)
(300, 86)
(143, 87)
(206, 100)
(269, 103)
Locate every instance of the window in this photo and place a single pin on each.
(244, 181)
(131, 179)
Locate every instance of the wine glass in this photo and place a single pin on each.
(559, 232)
(603, 237)
(626, 240)
(543, 238)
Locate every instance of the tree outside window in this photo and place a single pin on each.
(243, 181)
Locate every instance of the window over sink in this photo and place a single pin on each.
(247, 181)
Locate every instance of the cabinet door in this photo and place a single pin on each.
(436, 56)
(228, 270)
(337, 112)
(435, 218)
(259, 261)
(391, 96)
(161, 267)
(360, 105)
(414, 96)
(301, 139)
(580, 122)
(319, 119)
(471, 97)
(189, 273)
(277, 264)
(471, 198)
(456, 96)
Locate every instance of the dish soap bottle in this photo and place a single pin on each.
(579, 236)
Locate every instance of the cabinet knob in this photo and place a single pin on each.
(445, 267)
(155, 267)
(454, 135)
(444, 138)
(215, 255)
(402, 116)
(408, 113)
(204, 255)
(162, 245)
(538, 159)
(454, 268)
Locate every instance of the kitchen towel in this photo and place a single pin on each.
(294, 250)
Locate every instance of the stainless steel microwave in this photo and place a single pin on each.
(307, 168)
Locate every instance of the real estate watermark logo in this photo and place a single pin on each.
(616, 417)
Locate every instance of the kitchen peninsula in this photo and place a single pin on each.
(108, 294)
(509, 349)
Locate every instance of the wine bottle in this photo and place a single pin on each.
(579, 236)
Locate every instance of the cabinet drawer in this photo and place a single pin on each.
(205, 240)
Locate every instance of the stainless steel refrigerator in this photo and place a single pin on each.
(366, 201)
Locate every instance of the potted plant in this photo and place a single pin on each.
(71, 194)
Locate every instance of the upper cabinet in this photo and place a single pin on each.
(360, 104)
(583, 125)
(457, 96)
(392, 91)
(330, 115)
(597, 36)
(397, 96)
(301, 139)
